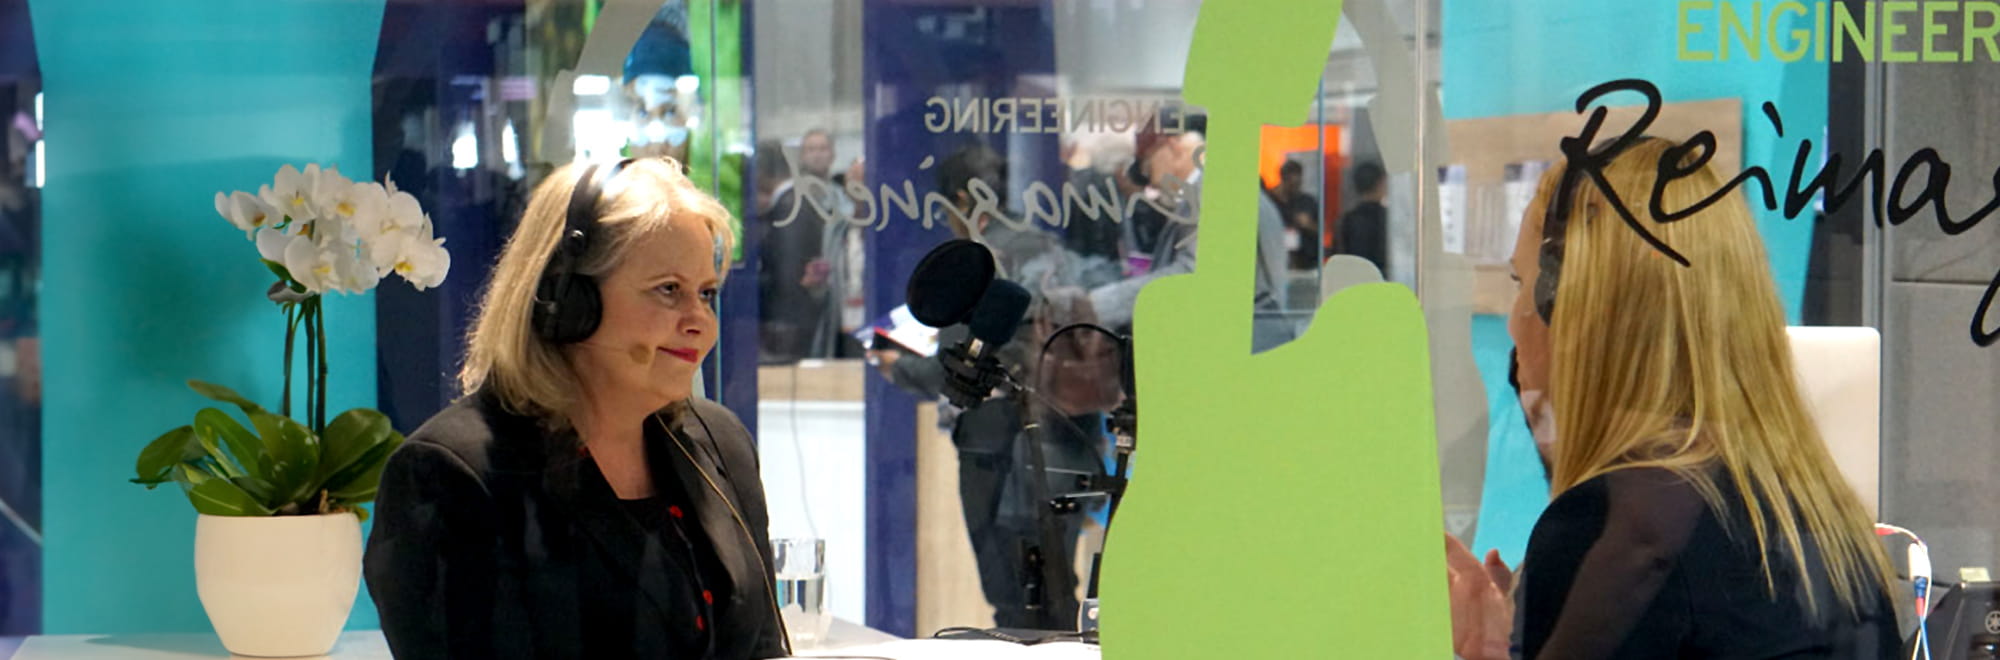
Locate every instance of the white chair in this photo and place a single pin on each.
(1840, 375)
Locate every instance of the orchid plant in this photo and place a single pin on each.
(318, 232)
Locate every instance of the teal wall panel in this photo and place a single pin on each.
(151, 107)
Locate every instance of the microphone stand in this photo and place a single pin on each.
(1050, 582)
(1124, 426)
(1125, 440)
(971, 374)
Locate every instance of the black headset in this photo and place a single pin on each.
(567, 306)
(1555, 226)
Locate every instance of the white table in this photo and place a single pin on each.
(959, 649)
(843, 639)
(353, 645)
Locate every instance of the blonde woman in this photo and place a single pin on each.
(1696, 513)
(578, 501)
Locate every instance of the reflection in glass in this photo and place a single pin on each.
(21, 175)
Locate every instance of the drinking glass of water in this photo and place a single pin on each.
(801, 568)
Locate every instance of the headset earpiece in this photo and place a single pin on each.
(567, 306)
(1549, 266)
(1555, 225)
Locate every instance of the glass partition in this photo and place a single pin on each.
(852, 139)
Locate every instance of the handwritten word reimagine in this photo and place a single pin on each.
(1692, 155)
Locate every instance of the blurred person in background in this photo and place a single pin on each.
(1364, 230)
(793, 271)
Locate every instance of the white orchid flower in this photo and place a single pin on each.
(327, 268)
(428, 267)
(360, 208)
(272, 242)
(292, 192)
(414, 256)
(405, 216)
(352, 274)
(335, 232)
(246, 211)
(310, 266)
(328, 189)
(299, 227)
(342, 235)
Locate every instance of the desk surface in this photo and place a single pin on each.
(354, 645)
(844, 639)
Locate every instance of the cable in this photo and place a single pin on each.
(1046, 401)
(1086, 637)
(1919, 558)
(1923, 645)
(799, 455)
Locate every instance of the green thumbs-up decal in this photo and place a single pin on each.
(1288, 503)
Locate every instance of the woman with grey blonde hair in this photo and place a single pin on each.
(578, 501)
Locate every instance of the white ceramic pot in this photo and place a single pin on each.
(278, 587)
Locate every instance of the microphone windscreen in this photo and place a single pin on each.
(999, 313)
(948, 283)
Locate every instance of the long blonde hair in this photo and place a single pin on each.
(1688, 368)
(502, 352)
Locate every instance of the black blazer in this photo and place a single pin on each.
(493, 539)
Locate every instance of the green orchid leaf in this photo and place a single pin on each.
(259, 489)
(219, 497)
(225, 395)
(156, 462)
(244, 446)
(356, 484)
(284, 274)
(349, 438)
(269, 432)
(294, 454)
(212, 451)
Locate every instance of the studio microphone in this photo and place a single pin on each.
(949, 283)
(972, 368)
(956, 284)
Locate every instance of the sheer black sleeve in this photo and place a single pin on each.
(1647, 517)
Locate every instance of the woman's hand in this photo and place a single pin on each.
(885, 361)
(1481, 614)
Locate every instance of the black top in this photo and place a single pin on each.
(664, 516)
(1364, 232)
(1635, 565)
(494, 539)
(1306, 256)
